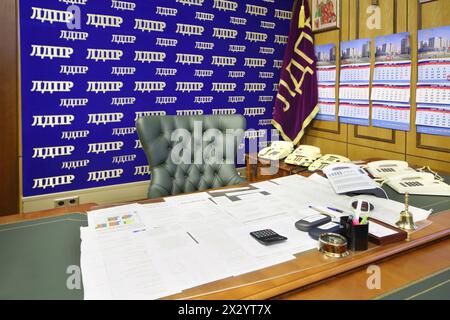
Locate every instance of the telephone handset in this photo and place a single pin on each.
(418, 183)
(325, 160)
(387, 168)
(277, 150)
(303, 156)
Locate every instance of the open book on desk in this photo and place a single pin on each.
(350, 179)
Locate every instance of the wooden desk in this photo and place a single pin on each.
(294, 279)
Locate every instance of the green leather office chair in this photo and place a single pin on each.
(179, 165)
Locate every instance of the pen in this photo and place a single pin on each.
(322, 212)
(335, 209)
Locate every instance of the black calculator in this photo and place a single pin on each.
(267, 236)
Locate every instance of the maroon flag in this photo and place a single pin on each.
(296, 103)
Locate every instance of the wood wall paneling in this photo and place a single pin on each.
(9, 167)
(366, 142)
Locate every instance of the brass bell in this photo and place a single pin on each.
(406, 221)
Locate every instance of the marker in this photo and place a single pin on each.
(322, 212)
(364, 220)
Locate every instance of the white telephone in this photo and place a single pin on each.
(303, 156)
(278, 150)
(388, 168)
(418, 183)
(325, 160)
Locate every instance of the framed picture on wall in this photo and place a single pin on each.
(325, 15)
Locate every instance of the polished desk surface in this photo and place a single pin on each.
(37, 253)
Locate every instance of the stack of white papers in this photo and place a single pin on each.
(155, 250)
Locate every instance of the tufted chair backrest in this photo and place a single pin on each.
(191, 153)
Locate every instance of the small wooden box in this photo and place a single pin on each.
(398, 236)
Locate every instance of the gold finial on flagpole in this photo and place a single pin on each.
(301, 19)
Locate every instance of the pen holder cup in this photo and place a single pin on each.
(357, 235)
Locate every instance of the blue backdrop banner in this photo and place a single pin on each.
(90, 68)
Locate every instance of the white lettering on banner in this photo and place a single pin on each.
(99, 20)
(275, 86)
(277, 64)
(281, 39)
(222, 33)
(166, 72)
(69, 135)
(236, 48)
(137, 144)
(203, 16)
(51, 86)
(238, 21)
(204, 45)
(268, 25)
(104, 55)
(123, 5)
(149, 56)
(149, 86)
(104, 147)
(73, 102)
(204, 73)
(51, 52)
(225, 5)
(166, 100)
(203, 99)
(104, 175)
(254, 87)
(189, 59)
(265, 98)
(124, 159)
(80, 2)
(189, 86)
(163, 42)
(256, 10)
(254, 134)
(104, 86)
(52, 152)
(123, 39)
(141, 170)
(236, 74)
(225, 111)
(43, 183)
(140, 114)
(191, 2)
(253, 112)
(163, 11)
(189, 29)
(223, 87)
(266, 75)
(149, 25)
(255, 36)
(75, 164)
(51, 121)
(50, 15)
(283, 14)
(265, 122)
(74, 35)
(104, 118)
(266, 50)
(224, 61)
(74, 70)
(123, 101)
(255, 63)
(236, 99)
(189, 112)
(123, 71)
(123, 131)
